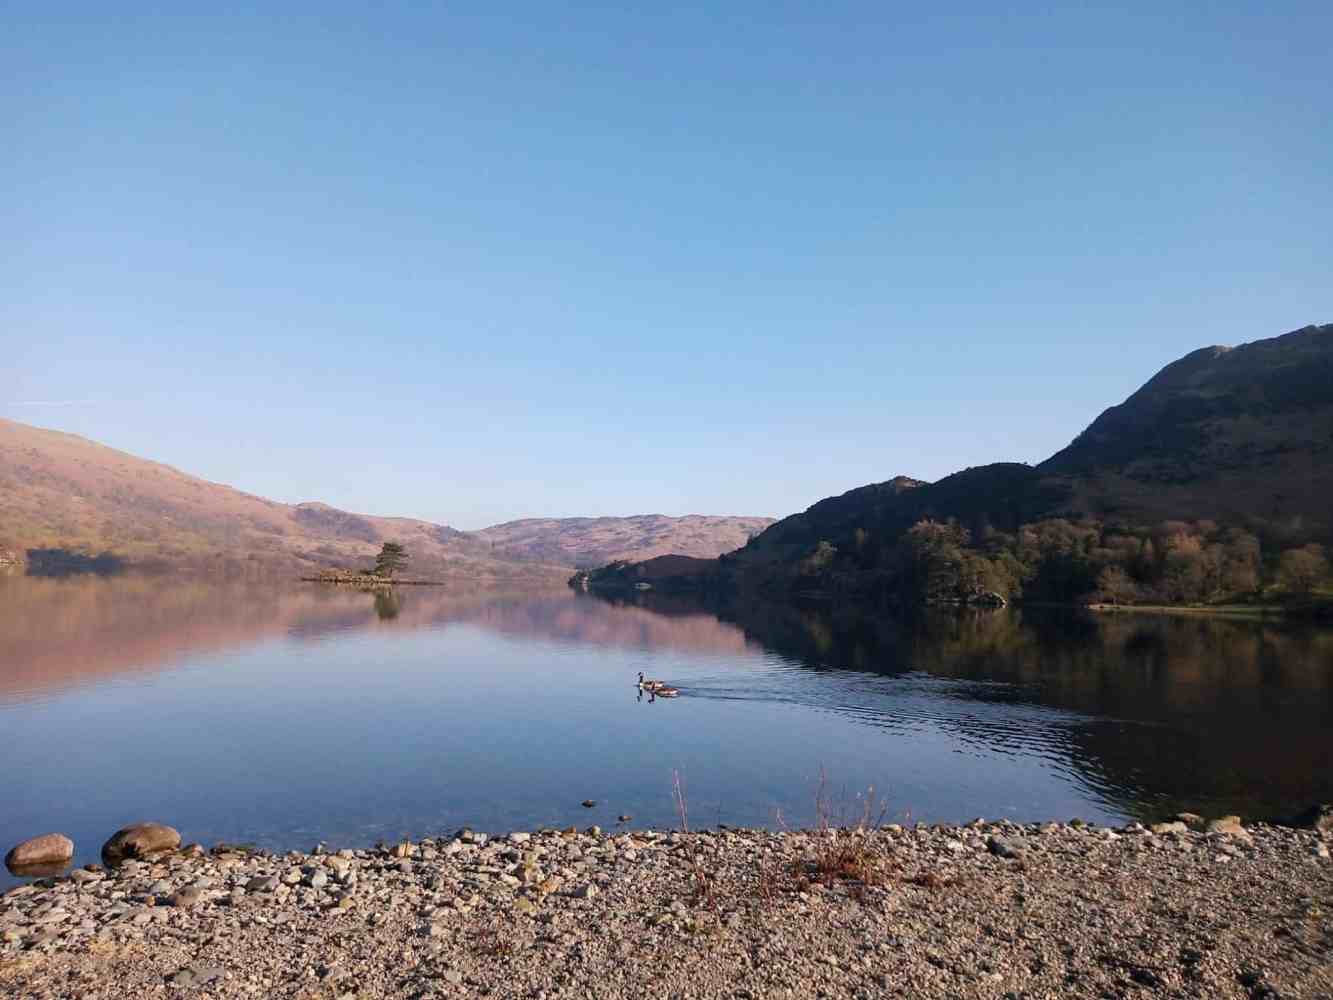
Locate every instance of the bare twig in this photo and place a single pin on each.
(682, 806)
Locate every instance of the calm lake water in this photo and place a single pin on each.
(288, 715)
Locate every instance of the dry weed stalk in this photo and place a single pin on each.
(487, 941)
(843, 852)
(933, 880)
(705, 886)
(682, 807)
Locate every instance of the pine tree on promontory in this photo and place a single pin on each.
(391, 559)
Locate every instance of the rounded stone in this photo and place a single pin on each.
(1317, 817)
(140, 840)
(185, 898)
(48, 849)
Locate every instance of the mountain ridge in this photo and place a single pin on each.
(1210, 480)
(64, 491)
(594, 541)
(1223, 403)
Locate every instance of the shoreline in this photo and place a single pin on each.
(1314, 614)
(1221, 611)
(979, 910)
(1318, 615)
(369, 582)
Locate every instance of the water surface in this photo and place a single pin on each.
(286, 715)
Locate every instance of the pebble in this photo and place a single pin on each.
(1005, 847)
(185, 898)
(198, 974)
(1229, 826)
(1173, 827)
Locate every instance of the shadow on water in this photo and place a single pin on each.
(1155, 713)
(62, 562)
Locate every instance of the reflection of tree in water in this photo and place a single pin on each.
(1167, 712)
(387, 605)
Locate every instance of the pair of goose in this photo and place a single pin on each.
(657, 688)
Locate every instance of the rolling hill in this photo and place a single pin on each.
(63, 491)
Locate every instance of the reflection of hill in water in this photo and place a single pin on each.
(56, 634)
(1151, 713)
(587, 620)
(1156, 713)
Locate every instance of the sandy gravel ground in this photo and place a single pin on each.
(995, 911)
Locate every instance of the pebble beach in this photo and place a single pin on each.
(993, 910)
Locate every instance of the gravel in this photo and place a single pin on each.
(985, 910)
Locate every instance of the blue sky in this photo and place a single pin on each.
(485, 262)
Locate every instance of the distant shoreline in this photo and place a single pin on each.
(370, 582)
(1222, 610)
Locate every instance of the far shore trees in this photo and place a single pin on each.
(1115, 585)
(1070, 560)
(391, 559)
(1301, 569)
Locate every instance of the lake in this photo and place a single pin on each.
(287, 715)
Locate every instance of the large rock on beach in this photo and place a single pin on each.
(1229, 826)
(48, 849)
(1318, 818)
(139, 841)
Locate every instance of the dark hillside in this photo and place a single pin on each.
(1213, 481)
(1243, 435)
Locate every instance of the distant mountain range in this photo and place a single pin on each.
(1193, 485)
(1224, 457)
(62, 491)
(595, 541)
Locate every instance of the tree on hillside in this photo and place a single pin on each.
(1301, 569)
(1116, 586)
(391, 559)
(820, 559)
(932, 559)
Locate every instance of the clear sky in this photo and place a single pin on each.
(478, 262)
